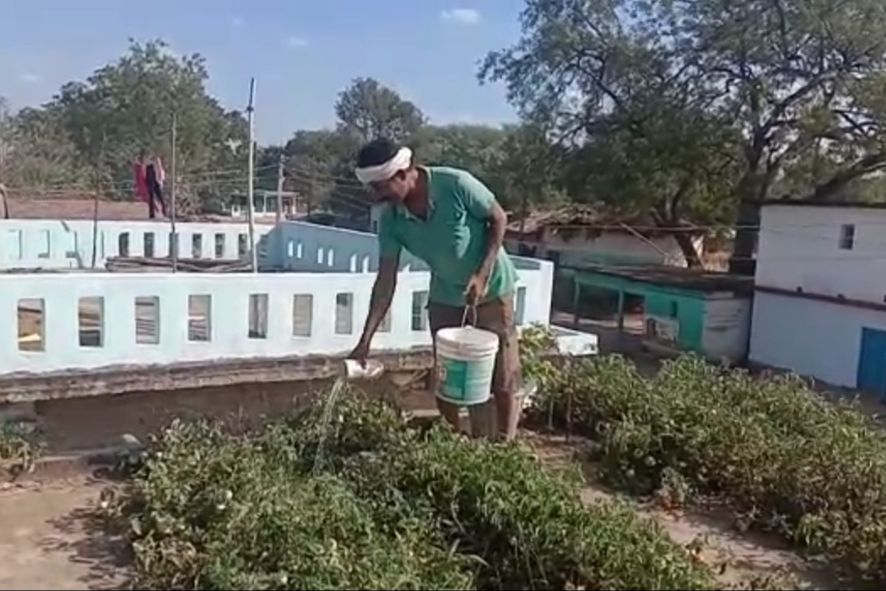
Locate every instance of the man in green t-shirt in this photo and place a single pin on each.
(452, 221)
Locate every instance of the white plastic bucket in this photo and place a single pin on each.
(465, 364)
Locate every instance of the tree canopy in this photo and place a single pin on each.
(681, 110)
(91, 130)
(758, 97)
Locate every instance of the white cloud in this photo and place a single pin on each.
(236, 21)
(462, 16)
(30, 78)
(296, 41)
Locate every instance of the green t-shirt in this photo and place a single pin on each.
(452, 241)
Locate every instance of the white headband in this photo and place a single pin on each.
(382, 172)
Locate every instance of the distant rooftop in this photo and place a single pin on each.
(832, 204)
(695, 279)
(576, 219)
(82, 207)
(76, 208)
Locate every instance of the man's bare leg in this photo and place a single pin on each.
(508, 409)
(482, 417)
(449, 411)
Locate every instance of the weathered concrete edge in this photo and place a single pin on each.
(122, 379)
(186, 376)
(183, 376)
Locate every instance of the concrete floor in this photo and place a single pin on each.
(50, 538)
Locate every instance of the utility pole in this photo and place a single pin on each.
(173, 232)
(250, 193)
(280, 179)
(99, 168)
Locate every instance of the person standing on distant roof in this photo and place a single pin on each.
(452, 221)
(148, 180)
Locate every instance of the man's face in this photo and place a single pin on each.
(393, 190)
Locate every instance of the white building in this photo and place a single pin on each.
(575, 237)
(820, 294)
(578, 236)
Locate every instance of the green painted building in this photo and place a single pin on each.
(693, 310)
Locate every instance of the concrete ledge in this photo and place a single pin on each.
(180, 376)
(123, 379)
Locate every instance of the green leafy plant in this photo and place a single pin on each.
(389, 507)
(19, 450)
(785, 458)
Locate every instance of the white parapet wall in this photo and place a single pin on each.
(78, 244)
(314, 304)
(59, 322)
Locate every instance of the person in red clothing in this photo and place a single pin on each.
(139, 179)
(149, 177)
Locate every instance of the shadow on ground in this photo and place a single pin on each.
(101, 558)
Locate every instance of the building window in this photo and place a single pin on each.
(673, 309)
(847, 236)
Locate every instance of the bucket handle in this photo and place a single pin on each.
(472, 310)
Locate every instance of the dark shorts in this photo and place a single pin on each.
(495, 316)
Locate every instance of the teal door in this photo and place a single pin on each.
(872, 362)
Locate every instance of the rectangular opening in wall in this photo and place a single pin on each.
(258, 316)
(91, 313)
(302, 314)
(123, 244)
(219, 245)
(200, 318)
(847, 236)
(148, 244)
(344, 313)
(147, 320)
(196, 246)
(31, 324)
(13, 244)
(241, 245)
(45, 246)
(520, 306)
(419, 310)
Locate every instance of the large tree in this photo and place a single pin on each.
(514, 161)
(677, 172)
(369, 110)
(799, 81)
(320, 164)
(98, 126)
(38, 155)
(478, 148)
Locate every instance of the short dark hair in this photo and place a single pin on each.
(377, 152)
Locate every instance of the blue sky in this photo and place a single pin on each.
(302, 52)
